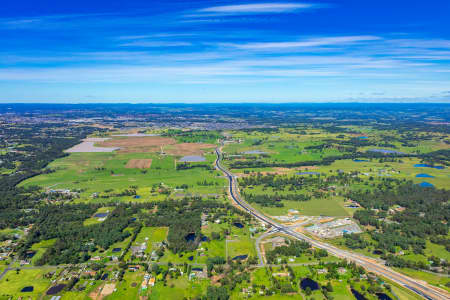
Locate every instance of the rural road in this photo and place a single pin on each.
(370, 264)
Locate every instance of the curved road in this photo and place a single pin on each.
(370, 264)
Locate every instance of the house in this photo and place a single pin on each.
(96, 258)
(342, 270)
(278, 241)
(151, 282)
(322, 271)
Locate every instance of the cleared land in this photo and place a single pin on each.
(88, 145)
(139, 164)
(138, 144)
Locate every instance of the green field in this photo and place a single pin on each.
(106, 175)
(14, 282)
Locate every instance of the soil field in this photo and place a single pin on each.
(139, 144)
(88, 146)
(139, 164)
(189, 149)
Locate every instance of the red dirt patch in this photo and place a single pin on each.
(139, 144)
(139, 164)
(189, 149)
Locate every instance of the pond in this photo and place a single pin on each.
(204, 238)
(27, 289)
(240, 257)
(360, 160)
(424, 175)
(197, 269)
(254, 152)
(238, 225)
(104, 276)
(190, 237)
(428, 166)
(191, 258)
(307, 173)
(363, 137)
(116, 249)
(358, 295)
(426, 184)
(383, 296)
(56, 289)
(377, 252)
(192, 158)
(101, 215)
(309, 283)
(30, 254)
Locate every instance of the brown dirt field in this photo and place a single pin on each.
(138, 164)
(189, 148)
(139, 144)
(155, 144)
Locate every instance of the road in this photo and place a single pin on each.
(370, 264)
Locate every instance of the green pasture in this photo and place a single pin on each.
(105, 174)
(13, 282)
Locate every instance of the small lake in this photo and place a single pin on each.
(116, 249)
(254, 152)
(424, 175)
(104, 276)
(426, 184)
(27, 289)
(358, 295)
(197, 269)
(309, 283)
(192, 158)
(238, 225)
(385, 151)
(191, 258)
(428, 166)
(204, 238)
(56, 289)
(360, 160)
(363, 137)
(377, 252)
(307, 173)
(240, 257)
(383, 296)
(101, 215)
(30, 254)
(190, 237)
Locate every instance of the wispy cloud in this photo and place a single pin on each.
(251, 9)
(156, 44)
(314, 42)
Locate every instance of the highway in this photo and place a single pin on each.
(370, 264)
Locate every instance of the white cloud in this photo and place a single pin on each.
(314, 42)
(251, 9)
(156, 44)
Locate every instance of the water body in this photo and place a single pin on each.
(197, 269)
(309, 283)
(254, 152)
(191, 258)
(426, 184)
(363, 137)
(377, 252)
(30, 254)
(27, 289)
(383, 296)
(358, 295)
(360, 160)
(116, 249)
(307, 173)
(190, 237)
(385, 151)
(192, 158)
(104, 276)
(424, 175)
(240, 257)
(428, 166)
(238, 225)
(204, 238)
(101, 215)
(56, 289)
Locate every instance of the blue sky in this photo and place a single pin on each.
(225, 51)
